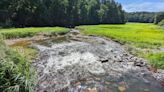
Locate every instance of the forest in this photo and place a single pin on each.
(143, 17)
(68, 13)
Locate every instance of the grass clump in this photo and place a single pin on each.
(28, 32)
(156, 60)
(16, 75)
(26, 52)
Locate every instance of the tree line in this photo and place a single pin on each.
(68, 13)
(143, 17)
(159, 17)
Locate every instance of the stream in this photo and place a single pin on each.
(78, 63)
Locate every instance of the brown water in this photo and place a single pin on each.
(52, 41)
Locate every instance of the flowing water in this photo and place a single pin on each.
(91, 64)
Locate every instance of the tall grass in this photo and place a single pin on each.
(25, 32)
(16, 74)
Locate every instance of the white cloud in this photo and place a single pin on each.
(145, 6)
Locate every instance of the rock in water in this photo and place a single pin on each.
(91, 90)
(122, 88)
(74, 32)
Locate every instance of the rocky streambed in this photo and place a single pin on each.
(92, 64)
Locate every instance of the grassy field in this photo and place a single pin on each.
(138, 35)
(24, 32)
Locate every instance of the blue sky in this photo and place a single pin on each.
(142, 5)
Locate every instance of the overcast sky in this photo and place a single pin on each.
(142, 5)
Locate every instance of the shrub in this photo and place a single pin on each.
(161, 23)
(16, 75)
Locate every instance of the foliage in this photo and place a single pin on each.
(161, 23)
(16, 75)
(156, 59)
(159, 17)
(24, 32)
(69, 13)
(138, 34)
(142, 17)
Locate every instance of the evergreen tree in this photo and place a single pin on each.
(68, 13)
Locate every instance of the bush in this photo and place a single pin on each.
(16, 75)
(161, 23)
(159, 17)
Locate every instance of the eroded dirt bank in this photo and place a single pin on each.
(92, 64)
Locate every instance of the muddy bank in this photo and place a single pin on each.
(92, 64)
(40, 37)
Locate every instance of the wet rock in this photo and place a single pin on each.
(93, 35)
(122, 88)
(146, 90)
(78, 84)
(92, 90)
(146, 81)
(159, 75)
(74, 32)
(104, 61)
(139, 62)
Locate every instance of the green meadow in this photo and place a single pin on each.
(138, 35)
(24, 32)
